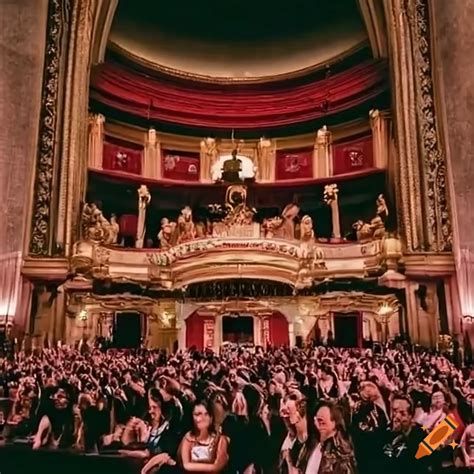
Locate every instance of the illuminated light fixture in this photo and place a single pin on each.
(83, 315)
(385, 309)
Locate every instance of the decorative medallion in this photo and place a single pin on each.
(39, 241)
(436, 193)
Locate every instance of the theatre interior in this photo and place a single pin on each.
(235, 173)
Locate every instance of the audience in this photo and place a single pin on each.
(317, 410)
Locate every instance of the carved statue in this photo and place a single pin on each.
(331, 198)
(186, 229)
(271, 227)
(96, 227)
(165, 235)
(209, 156)
(375, 230)
(382, 209)
(289, 215)
(144, 199)
(306, 230)
(114, 229)
(236, 204)
(266, 160)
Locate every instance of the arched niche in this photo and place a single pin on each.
(248, 167)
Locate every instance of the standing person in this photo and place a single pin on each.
(330, 450)
(203, 449)
(369, 423)
(401, 441)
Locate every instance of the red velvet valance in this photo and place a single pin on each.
(122, 156)
(353, 156)
(180, 166)
(294, 164)
(229, 106)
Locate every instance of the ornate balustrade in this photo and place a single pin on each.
(292, 262)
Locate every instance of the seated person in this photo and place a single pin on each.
(203, 449)
(159, 442)
(56, 426)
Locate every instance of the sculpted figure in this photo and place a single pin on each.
(114, 230)
(331, 198)
(289, 215)
(266, 160)
(144, 199)
(95, 226)
(186, 229)
(165, 234)
(209, 156)
(375, 230)
(306, 230)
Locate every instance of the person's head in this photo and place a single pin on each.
(438, 400)
(60, 399)
(329, 420)
(296, 406)
(401, 415)
(169, 388)
(203, 420)
(369, 391)
(155, 405)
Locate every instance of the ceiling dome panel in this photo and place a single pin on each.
(236, 39)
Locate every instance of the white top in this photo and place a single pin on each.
(314, 460)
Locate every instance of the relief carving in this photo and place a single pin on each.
(438, 208)
(40, 241)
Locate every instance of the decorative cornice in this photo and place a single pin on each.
(40, 244)
(434, 158)
(50, 269)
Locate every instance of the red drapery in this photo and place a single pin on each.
(195, 331)
(294, 164)
(279, 333)
(240, 107)
(180, 166)
(123, 156)
(353, 156)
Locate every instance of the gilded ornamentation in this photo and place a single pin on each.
(331, 198)
(438, 209)
(375, 230)
(40, 234)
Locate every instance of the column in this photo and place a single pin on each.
(380, 125)
(322, 154)
(96, 140)
(152, 156)
(421, 184)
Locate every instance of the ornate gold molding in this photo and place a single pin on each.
(423, 202)
(440, 231)
(40, 239)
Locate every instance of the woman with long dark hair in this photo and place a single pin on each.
(203, 449)
(160, 443)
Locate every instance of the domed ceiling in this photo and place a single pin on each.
(236, 39)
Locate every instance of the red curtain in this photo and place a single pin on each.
(294, 164)
(241, 107)
(279, 333)
(128, 224)
(195, 331)
(123, 156)
(353, 156)
(180, 166)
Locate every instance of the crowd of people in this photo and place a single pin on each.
(316, 410)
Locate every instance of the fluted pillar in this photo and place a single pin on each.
(421, 175)
(322, 154)
(96, 140)
(152, 156)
